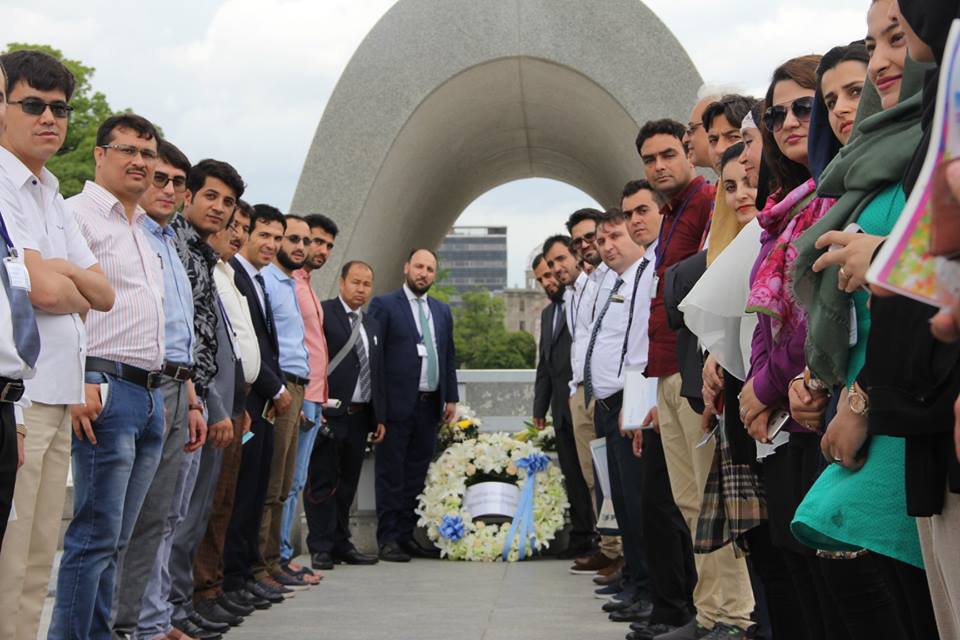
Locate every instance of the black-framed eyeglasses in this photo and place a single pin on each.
(692, 128)
(130, 151)
(295, 239)
(775, 116)
(35, 107)
(161, 179)
(587, 237)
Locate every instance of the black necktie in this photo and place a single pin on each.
(267, 311)
(557, 320)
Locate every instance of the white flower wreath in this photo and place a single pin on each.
(450, 525)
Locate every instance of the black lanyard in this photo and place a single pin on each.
(661, 251)
(633, 302)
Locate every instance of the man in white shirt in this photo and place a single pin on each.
(66, 283)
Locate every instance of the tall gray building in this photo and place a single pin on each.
(475, 258)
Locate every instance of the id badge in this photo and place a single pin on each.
(17, 272)
(854, 333)
(654, 283)
(421, 350)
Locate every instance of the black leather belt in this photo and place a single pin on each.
(427, 396)
(177, 371)
(135, 375)
(612, 403)
(10, 390)
(357, 407)
(292, 379)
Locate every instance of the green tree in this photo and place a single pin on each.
(483, 342)
(74, 163)
(439, 290)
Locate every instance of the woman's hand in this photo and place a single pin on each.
(854, 256)
(750, 405)
(845, 436)
(806, 406)
(712, 380)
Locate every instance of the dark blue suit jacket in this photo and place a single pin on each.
(269, 380)
(342, 382)
(402, 364)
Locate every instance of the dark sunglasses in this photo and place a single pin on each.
(774, 117)
(160, 181)
(295, 239)
(36, 107)
(587, 237)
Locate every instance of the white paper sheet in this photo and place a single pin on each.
(639, 396)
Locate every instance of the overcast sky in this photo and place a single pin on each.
(247, 80)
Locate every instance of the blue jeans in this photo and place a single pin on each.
(311, 411)
(111, 479)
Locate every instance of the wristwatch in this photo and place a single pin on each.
(857, 400)
(813, 384)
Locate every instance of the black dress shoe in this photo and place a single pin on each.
(416, 551)
(208, 609)
(244, 597)
(321, 561)
(186, 627)
(647, 631)
(236, 608)
(354, 557)
(618, 604)
(637, 612)
(392, 552)
(209, 625)
(269, 595)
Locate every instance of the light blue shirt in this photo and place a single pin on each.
(291, 336)
(177, 294)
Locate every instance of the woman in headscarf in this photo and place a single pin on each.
(851, 508)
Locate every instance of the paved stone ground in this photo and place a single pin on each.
(439, 600)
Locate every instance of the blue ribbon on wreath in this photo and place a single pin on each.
(451, 528)
(522, 526)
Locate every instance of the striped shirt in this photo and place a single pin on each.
(132, 332)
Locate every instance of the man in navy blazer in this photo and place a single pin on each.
(356, 409)
(420, 363)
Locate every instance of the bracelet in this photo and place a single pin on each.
(196, 406)
(22, 430)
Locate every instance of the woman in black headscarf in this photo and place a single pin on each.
(916, 378)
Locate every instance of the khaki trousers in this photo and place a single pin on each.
(940, 542)
(31, 540)
(723, 592)
(283, 464)
(583, 432)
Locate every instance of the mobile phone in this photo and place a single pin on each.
(246, 437)
(778, 421)
(853, 227)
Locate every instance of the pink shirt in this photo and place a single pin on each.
(313, 330)
(132, 331)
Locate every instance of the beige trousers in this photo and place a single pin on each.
(583, 432)
(723, 592)
(940, 542)
(31, 540)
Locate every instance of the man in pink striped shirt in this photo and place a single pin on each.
(323, 232)
(118, 432)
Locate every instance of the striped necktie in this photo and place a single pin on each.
(587, 377)
(361, 353)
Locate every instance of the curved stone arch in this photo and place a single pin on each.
(445, 100)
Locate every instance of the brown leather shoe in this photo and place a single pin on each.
(610, 575)
(592, 564)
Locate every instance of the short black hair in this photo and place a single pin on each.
(580, 215)
(732, 107)
(552, 240)
(664, 126)
(244, 207)
(732, 153)
(345, 269)
(537, 259)
(39, 70)
(266, 213)
(222, 171)
(322, 221)
(169, 153)
(430, 251)
(636, 186)
(612, 216)
(138, 124)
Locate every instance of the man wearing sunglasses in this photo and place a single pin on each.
(66, 283)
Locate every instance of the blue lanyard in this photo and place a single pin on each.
(6, 237)
(662, 246)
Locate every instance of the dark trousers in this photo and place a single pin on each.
(582, 518)
(910, 591)
(787, 621)
(8, 463)
(625, 474)
(332, 477)
(242, 547)
(666, 538)
(402, 460)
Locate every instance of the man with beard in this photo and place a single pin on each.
(552, 389)
(281, 289)
(420, 363)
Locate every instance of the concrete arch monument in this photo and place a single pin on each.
(447, 99)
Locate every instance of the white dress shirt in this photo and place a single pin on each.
(415, 309)
(584, 302)
(238, 312)
(605, 362)
(50, 228)
(252, 271)
(357, 395)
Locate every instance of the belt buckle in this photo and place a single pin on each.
(154, 379)
(183, 373)
(11, 392)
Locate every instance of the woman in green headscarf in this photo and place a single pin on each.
(860, 502)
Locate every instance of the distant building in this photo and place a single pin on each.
(475, 259)
(523, 310)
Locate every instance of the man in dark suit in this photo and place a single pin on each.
(356, 409)
(552, 390)
(420, 363)
(241, 549)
